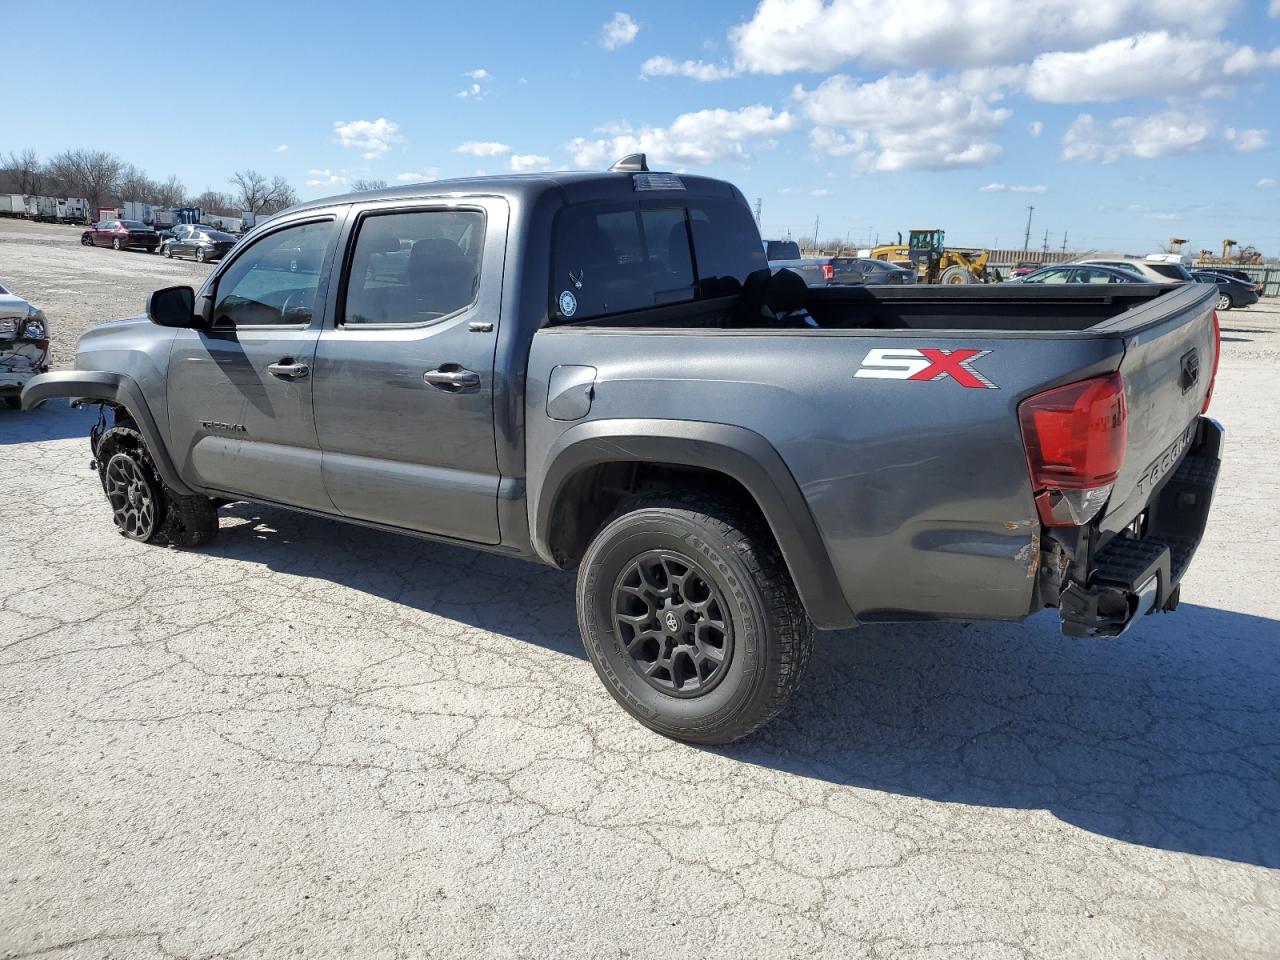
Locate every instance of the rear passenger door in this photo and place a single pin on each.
(404, 378)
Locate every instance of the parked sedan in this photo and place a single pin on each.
(882, 271)
(121, 235)
(204, 244)
(1075, 273)
(1231, 292)
(24, 345)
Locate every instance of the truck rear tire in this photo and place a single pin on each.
(690, 618)
(142, 507)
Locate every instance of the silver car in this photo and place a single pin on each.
(24, 345)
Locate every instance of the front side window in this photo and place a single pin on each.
(276, 280)
(1048, 276)
(414, 267)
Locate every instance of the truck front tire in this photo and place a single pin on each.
(143, 508)
(690, 618)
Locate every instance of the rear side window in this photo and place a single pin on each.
(611, 259)
(783, 250)
(614, 258)
(414, 267)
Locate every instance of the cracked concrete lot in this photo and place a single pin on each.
(314, 740)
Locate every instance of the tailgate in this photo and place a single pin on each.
(847, 270)
(1167, 366)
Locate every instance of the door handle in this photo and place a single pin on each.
(289, 370)
(452, 377)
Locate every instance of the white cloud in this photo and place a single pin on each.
(477, 88)
(374, 137)
(1246, 141)
(281, 148)
(482, 148)
(619, 31)
(1267, 183)
(1148, 64)
(1161, 134)
(325, 178)
(693, 69)
(1274, 9)
(1016, 188)
(528, 162)
(1035, 128)
(787, 35)
(905, 122)
(426, 174)
(693, 138)
(820, 192)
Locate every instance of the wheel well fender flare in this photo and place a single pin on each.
(736, 452)
(115, 388)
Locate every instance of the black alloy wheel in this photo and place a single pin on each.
(672, 620)
(135, 500)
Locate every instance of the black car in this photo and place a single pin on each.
(1231, 291)
(202, 243)
(1080, 273)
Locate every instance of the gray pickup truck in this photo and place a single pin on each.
(598, 370)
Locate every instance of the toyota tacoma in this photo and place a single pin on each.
(599, 371)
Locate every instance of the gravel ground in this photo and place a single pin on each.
(316, 740)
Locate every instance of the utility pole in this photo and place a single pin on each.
(758, 204)
(1064, 241)
(816, 222)
(1026, 237)
(1046, 240)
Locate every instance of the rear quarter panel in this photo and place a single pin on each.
(919, 489)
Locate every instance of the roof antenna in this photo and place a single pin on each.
(631, 163)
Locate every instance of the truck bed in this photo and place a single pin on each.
(923, 307)
(920, 487)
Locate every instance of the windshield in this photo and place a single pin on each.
(1173, 271)
(133, 225)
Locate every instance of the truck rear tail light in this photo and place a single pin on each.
(1075, 438)
(1217, 355)
(828, 272)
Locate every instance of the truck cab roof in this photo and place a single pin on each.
(575, 186)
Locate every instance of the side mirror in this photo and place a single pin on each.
(173, 307)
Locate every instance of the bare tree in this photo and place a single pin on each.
(92, 174)
(22, 172)
(256, 195)
(361, 185)
(282, 196)
(134, 184)
(211, 201)
(171, 193)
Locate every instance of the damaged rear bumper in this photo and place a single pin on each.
(1131, 576)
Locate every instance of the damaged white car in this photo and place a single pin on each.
(24, 345)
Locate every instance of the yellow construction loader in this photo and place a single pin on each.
(927, 253)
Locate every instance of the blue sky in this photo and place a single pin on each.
(1122, 121)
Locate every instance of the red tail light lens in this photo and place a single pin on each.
(1075, 438)
(1217, 355)
(828, 272)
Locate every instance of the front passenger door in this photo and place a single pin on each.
(240, 389)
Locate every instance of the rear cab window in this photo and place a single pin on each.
(611, 258)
